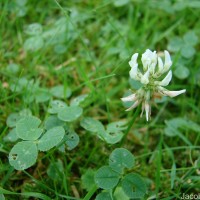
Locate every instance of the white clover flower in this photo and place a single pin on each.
(154, 76)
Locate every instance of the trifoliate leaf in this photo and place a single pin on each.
(113, 133)
(42, 95)
(121, 158)
(175, 44)
(21, 84)
(51, 138)
(23, 155)
(61, 92)
(104, 195)
(188, 51)
(21, 11)
(52, 121)
(12, 120)
(182, 72)
(116, 127)
(92, 125)
(25, 112)
(171, 131)
(190, 38)
(134, 186)
(27, 128)
(70, 114)
(11, 136)
(110, 137)
(72, 139)
(60, 49)
(33, 29)
(181, 123)
(106, 178)
(12, 68)
(57, 31)
(61, 147)
(119, 194)
(34, 43)
(76, 101)
(56, 106)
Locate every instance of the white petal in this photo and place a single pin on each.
(147, 110)
(148, 54)
(175, 93)
(134, 57)
(131, 97)
(134, 72)
(166, 80)
(153, 62)
(133, 106)
(167, 58)
(145, 78)
(146, 59)
(160, 65)
(152, 67)
(149, 60)
(168, 62)
(133, 60)
(132, 63)
(166, 92)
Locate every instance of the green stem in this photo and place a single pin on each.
(130, 125)
(90, 193)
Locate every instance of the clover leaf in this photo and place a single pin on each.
(121, 158)
(23, 155)
(27, 128)
(92, 125)
(134, 186)
(70, 113)
(51, 138)
(72, 139)
(106, 178)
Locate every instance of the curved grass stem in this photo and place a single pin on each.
(130, 124)
(90, 193)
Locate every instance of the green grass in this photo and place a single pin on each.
(100, 39)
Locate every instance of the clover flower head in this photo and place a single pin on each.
(154, 75)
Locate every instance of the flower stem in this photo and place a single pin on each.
(130, 125)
